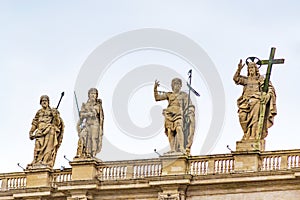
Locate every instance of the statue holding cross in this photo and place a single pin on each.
(257, 105)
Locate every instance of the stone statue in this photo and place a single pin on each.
(47, 129)
(250, 101)
(90, 126)
(179, 117)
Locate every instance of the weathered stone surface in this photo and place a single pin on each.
(251, 101)
(47, 131)
(90, 126)
(250, 145)
(240, 175)
(179, 117)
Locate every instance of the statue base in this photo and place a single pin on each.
(250, 145)
(38, 175)
(86, 158)
(174, 154)
(84, 168)
(34, 166)
(174, 163)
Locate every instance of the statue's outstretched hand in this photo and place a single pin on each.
(156, 84)
(241, 65)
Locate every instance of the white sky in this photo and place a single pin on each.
(43, 45)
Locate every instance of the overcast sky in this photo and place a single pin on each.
(45, 46)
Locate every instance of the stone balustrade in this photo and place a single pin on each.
(214, 164)
(133, 169)
(10, 181)
(60, 176)
(113, 172)
(139, 169)
(293, 161)
(280, 160)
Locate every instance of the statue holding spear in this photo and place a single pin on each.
(90, 126)
(47, 129)
(179, 115)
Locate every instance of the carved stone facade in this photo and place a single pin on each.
(234, 176)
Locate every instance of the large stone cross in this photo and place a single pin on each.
(270, 62)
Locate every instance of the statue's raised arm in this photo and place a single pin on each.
(179, 117)
(257, 104)
(158, 95)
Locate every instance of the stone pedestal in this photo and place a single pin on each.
(84, 169)
(246, 161)
(174, 164)
(38, 176)
(247, 155)
(250, 145)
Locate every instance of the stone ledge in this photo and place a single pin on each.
(243, 179)
(32, 194)
(170, 182)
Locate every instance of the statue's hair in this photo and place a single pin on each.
(93, 90)
(44, 97)
(174, 80)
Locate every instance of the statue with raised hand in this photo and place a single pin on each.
(179, 107)
(253, 96)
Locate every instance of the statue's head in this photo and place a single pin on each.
(93, 92)
(252, 69)
(44, 101)
(176, 84)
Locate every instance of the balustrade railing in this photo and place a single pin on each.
(224, 166)
(136, 169)
(60, 176)
(11, 181)
(293, 161)
(199, 167)
(117, 170)
(146, 170)
(112, 172)
(213, 164)
(271, 163)
(280, 160)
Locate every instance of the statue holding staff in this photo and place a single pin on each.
(90, 126)
(47, 129)
(179, 117)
